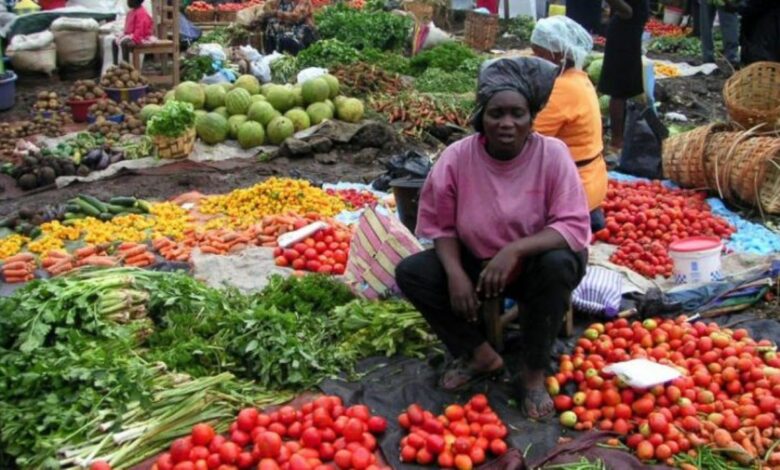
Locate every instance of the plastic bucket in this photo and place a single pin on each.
(407, 194)
(8, 91)
(51, 4)
(80, 109)
(556, 10)
(126, 94)
(672, 15)
(117, 118)
(696, 260)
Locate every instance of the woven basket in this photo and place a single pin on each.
(752, 95)
(481, 31)
(228, 16)
(175, 147)
(198, 16)
(720, 147)
(755, 177)
(422, 11)
(683, 156)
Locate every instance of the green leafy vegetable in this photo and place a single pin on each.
(173, 120)
(284, 69)
(364, 29)
(522, 26)
(327, 53)
(435, 80)
(389, 61)
(448, 57)
(194, 68)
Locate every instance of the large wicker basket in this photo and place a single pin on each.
(481, 31)
(720, 147)
(752, 95)
(227, 16)
(175, 147)
(423, 12)
(684, 156)
(755, 175)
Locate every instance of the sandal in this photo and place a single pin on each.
(460, 368)
(536, 396)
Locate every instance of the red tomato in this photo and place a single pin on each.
(479, 402)
(645, 450)
(202, 434)
(377, 424)
(311, 438)
(228, 453)
(424, 457)
(353, 431)
(199, 453)
(180, 450)
(408, 454)
(498, 447)
(100, 465)
(298, 462)
(268, 464)
(213, 462)
(343, 459)
(245, 460)
(361, 458)
(216, 444)
(184, 466)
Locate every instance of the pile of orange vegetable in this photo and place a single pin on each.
(19, 268)
(729, 392)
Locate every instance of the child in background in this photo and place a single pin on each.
(138, 29)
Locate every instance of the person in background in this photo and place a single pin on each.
(139, 27)
(289, 26)
(729, 27)
(587, 13)
(760, 31)
(621, 74)
(572, 114)
(511, 199)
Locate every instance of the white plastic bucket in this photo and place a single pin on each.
(672, 15)
(696, 260)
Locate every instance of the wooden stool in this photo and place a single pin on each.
(166, 20)
(492, 313)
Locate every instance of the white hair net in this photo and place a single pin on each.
(560, 34)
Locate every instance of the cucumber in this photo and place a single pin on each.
(96, 203)
(69, 216)
(143, 205)
(36, 232)
(106, 216)
(115, 209)
(133, 210)
(73, 207)
(88, 209)
(125, 201)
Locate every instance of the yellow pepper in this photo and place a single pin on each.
(11, 245)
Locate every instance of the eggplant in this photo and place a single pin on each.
(105, 159)
(92, 158)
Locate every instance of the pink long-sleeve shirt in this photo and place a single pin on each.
(488, 203)
(139, 25)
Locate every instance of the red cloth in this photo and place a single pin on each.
(491, 5)
(138, 25)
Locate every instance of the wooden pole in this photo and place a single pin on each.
(506, 9)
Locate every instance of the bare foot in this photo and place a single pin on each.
(484, 362)
(537, 403)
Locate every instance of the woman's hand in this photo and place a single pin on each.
(463, 298)
(622, 9)
(493, 279)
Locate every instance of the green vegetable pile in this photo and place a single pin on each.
(173, 120)
(435, 80)
(85, 359)
(284, 69)
(391, 62)
(327, 53)
(448, 57)
(194, 68)
(363, 29)
(689, 46)
(522, 26)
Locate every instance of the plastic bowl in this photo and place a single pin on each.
(80, 109)
(126, 94)
(117, 118)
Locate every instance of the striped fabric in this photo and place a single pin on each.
(599, 293)
(379, 244)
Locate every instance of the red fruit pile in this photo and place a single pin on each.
(322, 431)
(644, 218)
(325, 252)
(730, 382)
(460, 438)
(353, 198)
(231, 7)
(658, 28)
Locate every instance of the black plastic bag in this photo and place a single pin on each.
(642, 139)
(410, 164)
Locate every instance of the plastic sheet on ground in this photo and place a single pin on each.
(247, 270)
(685, 69)
(351, 217)
(391, 384)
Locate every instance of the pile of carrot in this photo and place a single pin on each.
(94, 255)
(171, 250)
(135, 254)
(19, 268)
(57, 262)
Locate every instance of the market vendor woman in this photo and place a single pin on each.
(512, 198)
(289, 26)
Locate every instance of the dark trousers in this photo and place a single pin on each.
(543, 287)
(126, 45)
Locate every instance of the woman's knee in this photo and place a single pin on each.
(561, 266)
(416, 270)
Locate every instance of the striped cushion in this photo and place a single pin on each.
(599, 293)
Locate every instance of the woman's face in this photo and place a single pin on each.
(507, 123)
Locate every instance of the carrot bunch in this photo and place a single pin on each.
(57, 262)
(135, 254)
(171, 250)
(94, 255)
(19, 268)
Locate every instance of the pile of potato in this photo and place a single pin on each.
(122, 76)
(155, 97)
(48, 101)
(86, 90)
(105, 108)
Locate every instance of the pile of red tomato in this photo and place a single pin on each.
(200, 6)
(644, 218)
(231, 7)
(320, 432)
(325, 252)
(658, 28)
(353, 198)
(729, 393)
(460, 438)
